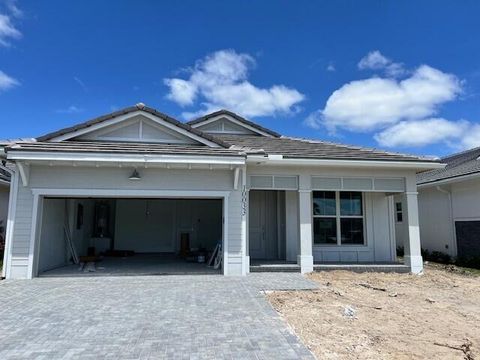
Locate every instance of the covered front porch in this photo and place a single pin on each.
(311, 223)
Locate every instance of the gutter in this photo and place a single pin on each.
(130, 158)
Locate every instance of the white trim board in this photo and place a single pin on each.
(116, 193)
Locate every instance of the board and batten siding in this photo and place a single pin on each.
(107, 178)
(379, 208)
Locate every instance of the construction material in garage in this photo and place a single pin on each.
(163, 232)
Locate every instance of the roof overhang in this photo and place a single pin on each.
(280, 160)
(450, 180)
(44, 156)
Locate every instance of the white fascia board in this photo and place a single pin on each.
(124, 117)
(129, 158)
(414, 165)
(450, 180)
(233, 120)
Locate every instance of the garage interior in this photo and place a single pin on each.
(126, 236)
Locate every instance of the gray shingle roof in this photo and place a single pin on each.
(124, 148)
(236, 117)
(302, 148)
(464, 163)
(128, 110)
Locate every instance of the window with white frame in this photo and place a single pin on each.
(338, 218)
(398, 212)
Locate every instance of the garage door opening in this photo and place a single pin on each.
(126, 236)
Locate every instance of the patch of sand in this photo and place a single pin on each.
(395, 316)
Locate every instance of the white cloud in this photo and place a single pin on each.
(182, 92)
(220, 81)
(72, 109)
(331, 68)
(375, 103)
(7, 30)
(374, 60)
(7, 82)
(471, 137)
(416, 133)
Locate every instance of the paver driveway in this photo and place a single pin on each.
(178, 317)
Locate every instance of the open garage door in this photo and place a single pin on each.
(129, 236)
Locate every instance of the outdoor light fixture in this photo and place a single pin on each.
(135, 175)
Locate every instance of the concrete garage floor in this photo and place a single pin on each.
(137, 265)
(147, 317)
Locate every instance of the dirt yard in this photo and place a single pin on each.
(387, 316)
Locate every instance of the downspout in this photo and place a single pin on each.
(452, 222)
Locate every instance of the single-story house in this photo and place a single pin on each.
(449, 206)
(137, 181)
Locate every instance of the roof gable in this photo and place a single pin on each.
(227, 122)
(138, 128)
(127, 125)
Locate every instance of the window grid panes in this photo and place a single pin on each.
(338, 218)
(399, 212)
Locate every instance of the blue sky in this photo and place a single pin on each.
(399, 75)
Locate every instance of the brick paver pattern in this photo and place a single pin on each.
(147, 317)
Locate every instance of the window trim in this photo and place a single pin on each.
(338, 217)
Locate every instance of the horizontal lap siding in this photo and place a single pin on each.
(235, 256)
(117, 178)
(21, 232)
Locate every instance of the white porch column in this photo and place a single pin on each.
(245, 228)
(305, 257)
(412, 246)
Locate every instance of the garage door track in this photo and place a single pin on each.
(156, 317)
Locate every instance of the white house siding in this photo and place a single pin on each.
(438, 213)
(379, 224)
(20, 247)
(106, 178)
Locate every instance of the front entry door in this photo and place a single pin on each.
(263, 225)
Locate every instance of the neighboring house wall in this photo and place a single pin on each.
(438, 211)
(58, 177)
(435, 221)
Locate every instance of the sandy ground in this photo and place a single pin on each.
(387, 316)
